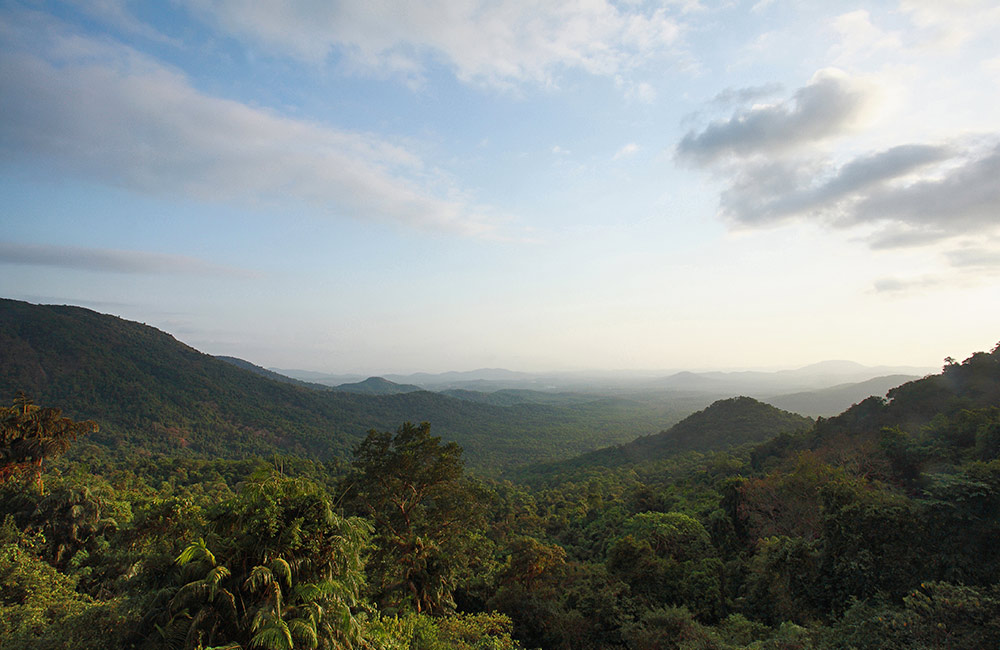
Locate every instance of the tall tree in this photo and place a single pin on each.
(412, 486)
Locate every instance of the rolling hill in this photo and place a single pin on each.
(152, 393)
(377, 386)
(725, 423)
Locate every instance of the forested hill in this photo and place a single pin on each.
(972, 384)
(918, 425)
(377, 386)
(149, 391)
(726, 423)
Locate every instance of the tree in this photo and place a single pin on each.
(425, 512)
(289, 573)
(29, 434)
(667, 557)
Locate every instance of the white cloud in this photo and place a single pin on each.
(948, 25)
(860, 39)
(106, 113)
(992, 66)
(642, 92)
(627, 150)
(494, 42)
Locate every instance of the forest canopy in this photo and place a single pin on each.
(872, 529)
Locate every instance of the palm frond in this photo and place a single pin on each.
(305, 631)
(196, 551)
(275, 636)
(282, 570)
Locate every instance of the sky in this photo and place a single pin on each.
(395, 186)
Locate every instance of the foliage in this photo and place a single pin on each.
(29, 434)
(425, 515)
(289, 573)
(875, 529)
(934, 615)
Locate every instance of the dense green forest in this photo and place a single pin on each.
(742, 526)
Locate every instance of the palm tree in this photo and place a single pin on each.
(204, 608)
(297, 570)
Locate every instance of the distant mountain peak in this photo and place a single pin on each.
(377, 386)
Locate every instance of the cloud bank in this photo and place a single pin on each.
(777, 163)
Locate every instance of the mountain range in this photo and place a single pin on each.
(153, 393)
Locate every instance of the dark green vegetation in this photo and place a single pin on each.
(378, 386)
(876, 528)
(152, 393)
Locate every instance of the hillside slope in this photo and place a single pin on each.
(149, 391)
(828, 402)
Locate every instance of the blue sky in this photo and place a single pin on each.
(451, 184)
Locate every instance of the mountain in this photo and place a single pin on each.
(635, 385)
(152, 393)
(765, 385)
(828, 402)
(725, 423)
(377, 386)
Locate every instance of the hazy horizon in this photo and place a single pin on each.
(389, 188)
(595, 372)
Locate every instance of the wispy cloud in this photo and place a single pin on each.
(975, 257)
(117, 15)
(947, 25)
(493, 42)
(103, 112)
(904, 285)
(627, 150)
(113, 261)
